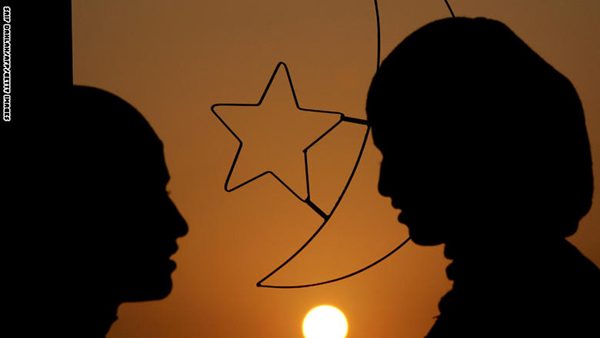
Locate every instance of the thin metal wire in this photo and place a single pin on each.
(322, 226)
(342, 118)
(314, 235)
(307, 200)
(450, 8)
(378, 22)
(326, 217)
(342, 277)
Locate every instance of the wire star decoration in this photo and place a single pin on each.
(306, 196)
(335, 119)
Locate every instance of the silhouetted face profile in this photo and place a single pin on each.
(114, 225)
(481, 139)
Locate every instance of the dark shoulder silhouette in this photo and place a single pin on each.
(485, 150)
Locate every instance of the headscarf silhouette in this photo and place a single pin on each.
(485, 150)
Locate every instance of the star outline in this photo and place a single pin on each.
(342, 118)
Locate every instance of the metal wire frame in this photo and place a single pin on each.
(326, 216)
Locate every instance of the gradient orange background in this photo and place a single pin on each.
(173, 59)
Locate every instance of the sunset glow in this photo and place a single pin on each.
(173, 61)
(325, 321)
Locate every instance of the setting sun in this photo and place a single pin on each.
(325, 321)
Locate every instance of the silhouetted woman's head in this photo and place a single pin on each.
(107, 220)
(481, 138)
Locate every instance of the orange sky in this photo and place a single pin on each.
(173, 59)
